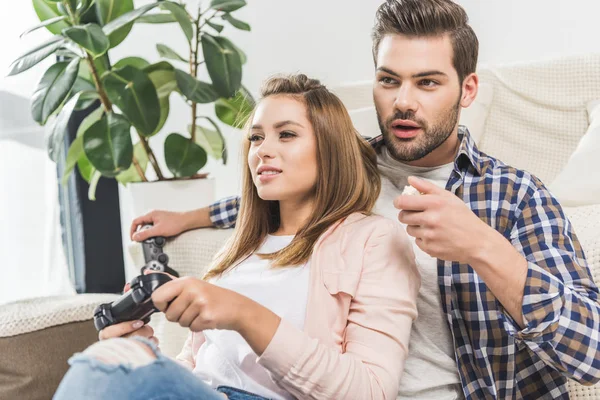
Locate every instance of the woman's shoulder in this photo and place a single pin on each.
(372, 223)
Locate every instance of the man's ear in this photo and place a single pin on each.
(470, 86)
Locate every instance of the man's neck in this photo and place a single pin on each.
(444, 154)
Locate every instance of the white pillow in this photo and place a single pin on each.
(474, 116)
(578, 184)
(365, 117)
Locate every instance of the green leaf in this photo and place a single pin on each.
(136, 62)
(44, 24)
(127, 18)
(86, 99)
(159, 66)
(132, 91)
(85, 167)
(210, 140)
(158, 18)
(216, 27)
(227, 5)
(46, 10)
(164, 82)
(107, 144)
(223, 63)
(76, 155)
(59, 128)
(236, 22)
(132, 175)
(195, 90)
(224, 153)
(96, 175)
(34, 56)
(110, 10)
(90, 37)
(53, 89)
(169, 53)
(75, 152)
(182, 17)
(235, 111)
(183, 157)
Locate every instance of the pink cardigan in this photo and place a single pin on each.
(361, 304)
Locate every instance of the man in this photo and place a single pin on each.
(507, 308)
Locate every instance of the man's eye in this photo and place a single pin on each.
(386, 80)
(428, 83)
(254, 138)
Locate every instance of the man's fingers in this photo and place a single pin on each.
(142, 220)
(413, 203)
(423, 186)
(411, 217)
(119, 330)
(144, 234)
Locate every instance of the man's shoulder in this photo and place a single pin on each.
(494, 170)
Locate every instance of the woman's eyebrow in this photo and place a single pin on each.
(278, 124)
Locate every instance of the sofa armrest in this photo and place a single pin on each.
(191, 252)
(586, 224)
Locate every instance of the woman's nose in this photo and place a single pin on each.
(266, 149)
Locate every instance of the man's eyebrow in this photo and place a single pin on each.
(279, 124)
(428, 73)
(418, 75)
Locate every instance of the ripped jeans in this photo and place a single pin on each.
(160, 378)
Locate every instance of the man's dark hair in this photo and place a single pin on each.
(418, 18)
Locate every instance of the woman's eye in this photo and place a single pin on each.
(285, 135)
(254, 138)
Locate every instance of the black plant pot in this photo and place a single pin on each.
(91, 230)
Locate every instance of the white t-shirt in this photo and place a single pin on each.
(430, 372)
(225, 358)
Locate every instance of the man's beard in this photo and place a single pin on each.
(430, 139)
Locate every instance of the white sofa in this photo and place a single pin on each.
(531, 116)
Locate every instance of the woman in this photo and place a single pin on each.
(312, 297)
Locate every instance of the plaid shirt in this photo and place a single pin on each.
(495, 358)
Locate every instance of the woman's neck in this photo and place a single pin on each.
(293, 215)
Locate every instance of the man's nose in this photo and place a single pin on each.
(405, 100)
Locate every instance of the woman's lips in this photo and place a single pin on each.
(267, 177)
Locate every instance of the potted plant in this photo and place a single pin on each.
(130, 98)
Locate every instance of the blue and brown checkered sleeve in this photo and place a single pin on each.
(561, 306)
(224, 212)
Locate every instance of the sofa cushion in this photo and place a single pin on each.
(578, 183)
(38, 336)
(536, 119)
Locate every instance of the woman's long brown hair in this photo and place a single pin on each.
(347, 180)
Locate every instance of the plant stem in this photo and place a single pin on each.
(151, 157)
(103, 97)
(139, 169)
(194, 73)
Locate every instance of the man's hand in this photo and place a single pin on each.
(446, 228)
(165, 223)
(443, 225)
